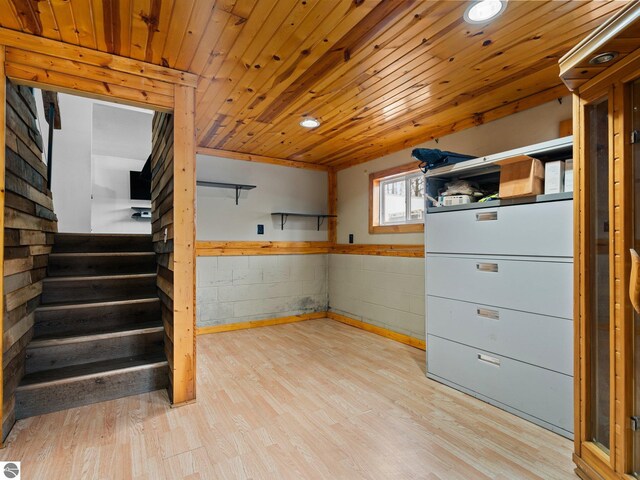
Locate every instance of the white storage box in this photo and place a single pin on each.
(568, 175)
(554, 177)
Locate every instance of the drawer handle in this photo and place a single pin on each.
(486, 216)
(492, 314)
(488, 359)
(487, 267)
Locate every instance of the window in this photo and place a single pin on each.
(396, 203)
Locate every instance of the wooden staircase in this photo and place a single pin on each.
(98, 333)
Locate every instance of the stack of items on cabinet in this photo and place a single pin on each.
(520, 176)
(499, 282)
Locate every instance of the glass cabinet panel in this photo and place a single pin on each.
(598, 301)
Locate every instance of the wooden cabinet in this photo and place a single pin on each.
(607, 226)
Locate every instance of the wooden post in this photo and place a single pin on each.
(333, 206)
(184, 178)
(3, 127)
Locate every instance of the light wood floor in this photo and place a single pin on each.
(316, 399)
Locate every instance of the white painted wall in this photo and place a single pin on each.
(244, 288)
(521, 129)
(71, 179)
(383, 291)
(121, 142)
(111, 204)
(277, 189)
(97, 143)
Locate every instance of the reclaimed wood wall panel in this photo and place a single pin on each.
(29, 227)
(3, 139)
(382, 75)
(162, 219)
(173, 229)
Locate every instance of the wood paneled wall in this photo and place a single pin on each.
(176, 267)
(162, 226)
(29, 225)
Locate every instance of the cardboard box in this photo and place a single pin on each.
(554, 177)
(568, 175)
(521, 176)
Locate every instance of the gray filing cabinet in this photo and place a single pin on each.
(499, 286)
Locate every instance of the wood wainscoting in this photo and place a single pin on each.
(396, 250)
(219, 249)
(231, 248)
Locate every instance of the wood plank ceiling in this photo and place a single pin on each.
(381, 75)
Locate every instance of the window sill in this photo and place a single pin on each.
(404, 228)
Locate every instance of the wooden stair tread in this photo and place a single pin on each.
(84, 278)
(95, 369)
(97, 334)
(90, 242)
(95, 304)
(101, 254)
(101, 235)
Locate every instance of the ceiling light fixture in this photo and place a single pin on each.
(481, 11)
(603, 58)
(310, 123)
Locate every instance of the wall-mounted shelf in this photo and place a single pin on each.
(236, 186)
(141, 213)
(285, 215)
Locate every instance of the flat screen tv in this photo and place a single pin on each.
(140, 188)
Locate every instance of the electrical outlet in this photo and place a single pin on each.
(260, 229)
(351, 238)
(166, 234)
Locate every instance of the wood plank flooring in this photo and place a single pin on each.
(310, 400)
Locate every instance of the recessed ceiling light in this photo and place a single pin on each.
(310, 123)
(481, 11)
(603, 58)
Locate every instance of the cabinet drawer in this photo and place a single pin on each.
(537, 229)
(532, 390)
(543, 287)
(531, 338)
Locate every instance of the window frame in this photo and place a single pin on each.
(375, 200)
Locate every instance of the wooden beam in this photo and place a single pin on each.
(333, 205)
(396, 250)
(3, 127)
(96, 58)
(249, 157)
(184, 180)
(238, 248)
(84, 70)
(65, 83)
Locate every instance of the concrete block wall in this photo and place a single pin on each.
(232, 289)
(383, 291)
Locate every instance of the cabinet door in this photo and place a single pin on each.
(635, 329)
(597, 299)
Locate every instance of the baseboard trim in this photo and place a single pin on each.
(383, 332)
(260, 323)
